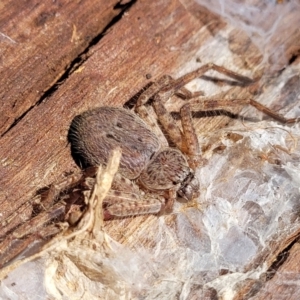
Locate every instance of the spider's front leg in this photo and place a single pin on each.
(214, 104)
(164, 84)
(186, 140)
(121, 204)
(127, 199)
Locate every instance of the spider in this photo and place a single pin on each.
(151, 176)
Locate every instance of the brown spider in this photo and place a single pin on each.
(151, 176)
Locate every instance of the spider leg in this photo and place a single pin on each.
(190, 137)
(152, 90)
(29, 231)
(171, 199)
(177, 87)
(216, 104)
(40, 226)
(119, 204)
(144, 113)
(11, 248)
(49, 196)
(185, 94)
(126, 199)
(187, 140)
(182, 81)
(34, 224)
(123, 184)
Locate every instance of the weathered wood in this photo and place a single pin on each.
(35, 151)
(39, 41)
(153, 38)
(284, 282)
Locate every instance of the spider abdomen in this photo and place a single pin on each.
(95, 133)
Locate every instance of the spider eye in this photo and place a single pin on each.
(189, 189)
(186, 193)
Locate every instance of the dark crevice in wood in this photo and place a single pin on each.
(293, 58)
(271, 272)
(77, 62)
(280, 260)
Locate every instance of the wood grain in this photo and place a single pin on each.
(283, 281)
(35, 152)
(60, 58)
(39, 42)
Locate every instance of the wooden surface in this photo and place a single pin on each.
(35, 152)
(284, 280)
(60, 58)
(39, 43)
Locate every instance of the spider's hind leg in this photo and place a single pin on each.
(206, 104)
